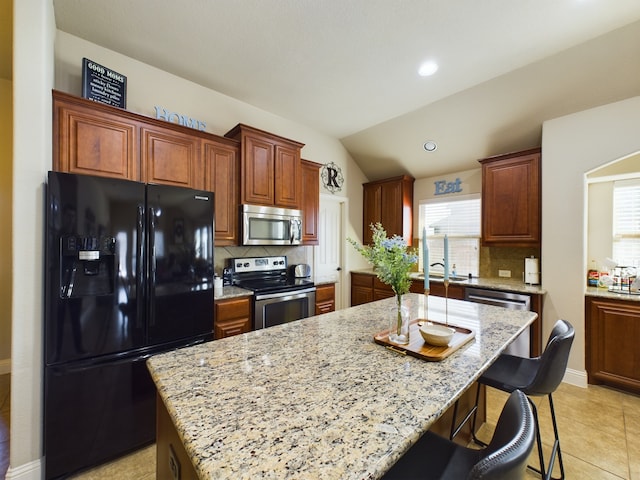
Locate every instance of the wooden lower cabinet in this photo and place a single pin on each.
(361, 288)
(612, 331)
(172, 460)
(325, 298)
(232, 317)
(456, 291)
(367, 288)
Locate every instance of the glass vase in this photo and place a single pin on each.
(399, 331)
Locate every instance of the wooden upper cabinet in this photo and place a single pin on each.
(287, 187)
(258, 178)
(95, 139)
(222, 170)
(310, 201)
(169, 157)
(511, 202)
(389, 202)
(90, 139)
(269, 168)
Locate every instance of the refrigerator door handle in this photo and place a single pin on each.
(151, 301)
(140, 275)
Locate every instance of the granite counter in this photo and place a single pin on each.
(612, 294)
(317, 398)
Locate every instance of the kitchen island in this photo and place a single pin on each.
(316, 398)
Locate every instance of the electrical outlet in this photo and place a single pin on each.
(174, 464)
(504, 273)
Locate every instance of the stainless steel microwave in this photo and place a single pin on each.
(262, 225)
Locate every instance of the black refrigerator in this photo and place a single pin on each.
(129, 273)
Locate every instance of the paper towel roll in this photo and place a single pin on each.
(531, 271)
(217, 287)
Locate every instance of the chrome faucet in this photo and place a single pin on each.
(437, 263)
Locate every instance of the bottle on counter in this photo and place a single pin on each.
(593, 275)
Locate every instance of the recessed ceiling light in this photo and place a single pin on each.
(430, 146)
(427, 69)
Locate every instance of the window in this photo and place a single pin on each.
(459, 219)
(626, 222)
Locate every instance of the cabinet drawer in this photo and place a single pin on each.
(378, 285)
(362, 280)
(233, 308)
(325, 293)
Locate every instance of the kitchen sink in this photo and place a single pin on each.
(452, 278)
(439, 277)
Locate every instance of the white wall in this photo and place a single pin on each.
(34, 32)
(6, 160)
(572, 146)
(599, 223)
(148, 86)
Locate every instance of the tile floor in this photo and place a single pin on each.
(5, 407)
(599, 431)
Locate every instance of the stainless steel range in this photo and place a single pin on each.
(278, 298)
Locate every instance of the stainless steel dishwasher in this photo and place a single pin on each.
(513, 301)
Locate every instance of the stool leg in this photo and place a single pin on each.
(455, 429)
(546, 474)
(475, 439)
(556, 443)
(541, 471)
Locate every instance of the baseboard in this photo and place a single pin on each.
(28, 471)
(576, 377)
(5, 366)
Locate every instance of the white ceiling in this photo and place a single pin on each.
(348, 67)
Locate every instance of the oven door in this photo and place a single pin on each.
(277, 308)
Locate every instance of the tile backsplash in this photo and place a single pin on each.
(493, 259)
(294, 254)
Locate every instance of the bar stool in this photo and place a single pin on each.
(505, 458)
(535, 377)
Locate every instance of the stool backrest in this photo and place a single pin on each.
(553, 361)
(505, 457)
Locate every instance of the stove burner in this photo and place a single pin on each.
(266, 275)
(284, 284)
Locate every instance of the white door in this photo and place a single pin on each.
(329, 253)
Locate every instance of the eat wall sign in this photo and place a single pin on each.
(443, 187)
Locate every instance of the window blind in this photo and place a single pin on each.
(626, 222)
(459, 219)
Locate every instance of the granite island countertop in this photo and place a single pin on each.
(317, 398)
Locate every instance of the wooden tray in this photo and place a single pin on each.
(417, 347)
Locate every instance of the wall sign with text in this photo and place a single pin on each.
(173, 117)
(101, 84)
(443, 187)
(332, 178)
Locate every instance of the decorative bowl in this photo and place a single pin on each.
(438, 335)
